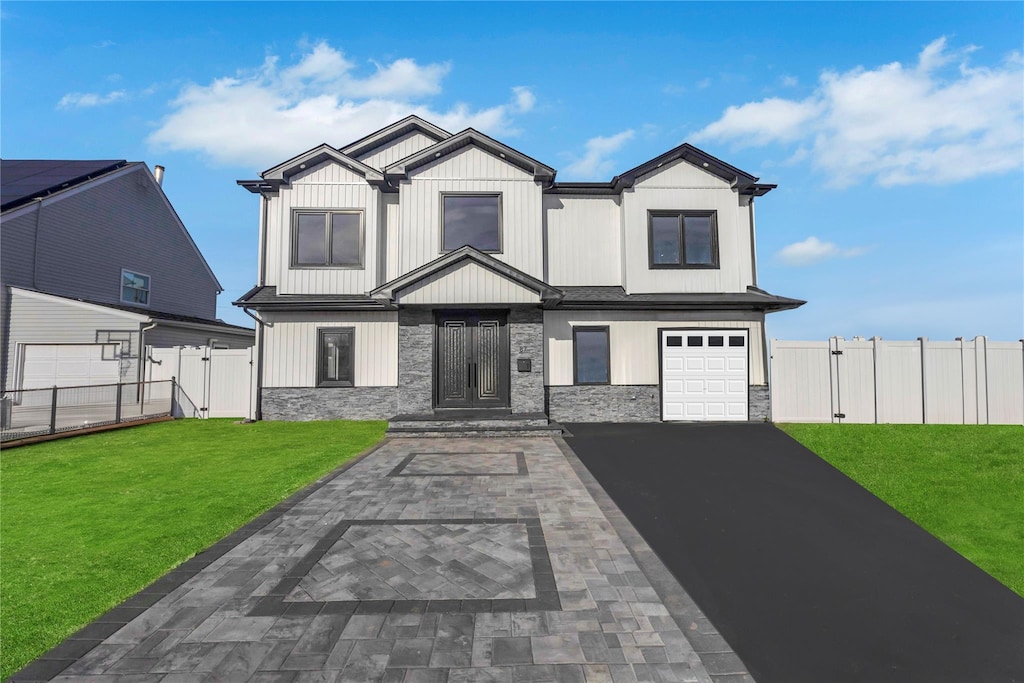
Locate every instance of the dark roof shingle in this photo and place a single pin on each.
(22, 180)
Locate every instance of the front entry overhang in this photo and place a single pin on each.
(467, 277)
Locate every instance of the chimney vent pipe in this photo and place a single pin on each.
(158, 173)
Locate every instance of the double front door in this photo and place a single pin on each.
(472, 363)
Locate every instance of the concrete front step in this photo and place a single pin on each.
(469, 423)
(474, 432)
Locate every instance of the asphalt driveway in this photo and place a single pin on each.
(808, 576)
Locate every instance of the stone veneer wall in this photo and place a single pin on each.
(329, 403)
(526, 340)
(415, 361)
(628, 403)
(759, 404)
(604, 403)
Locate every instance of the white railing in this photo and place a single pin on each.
(905, 382)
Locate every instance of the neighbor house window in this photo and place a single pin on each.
(591, 358)
(473, 219)
(327, 238)
(134, 288)
(683, 239)
(335, 357)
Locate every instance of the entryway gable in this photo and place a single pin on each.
(467, 283)
(466, 276)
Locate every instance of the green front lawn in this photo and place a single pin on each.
(962, 483)
(86, 522)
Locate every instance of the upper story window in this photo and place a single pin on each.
(134, 288)
(327, 239)
(473, 219)
(683, 239)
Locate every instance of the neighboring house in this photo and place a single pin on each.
(95, 265)
(415, 271)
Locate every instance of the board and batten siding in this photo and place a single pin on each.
(89, 233)
(290, 340)
(396, 150)
(325, 186)
(41, 319)
(584, 240)
(633, 341)
(467, 283)
(682, 186)
(471, 170)
(392, 235)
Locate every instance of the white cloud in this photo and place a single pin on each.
(523, 98)
(704, 83)
(673, 89)
(790, 81)
(812, 250)
(595, 162)
(938, 121)
(271, 113)
(89, 99)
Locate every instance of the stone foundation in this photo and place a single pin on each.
(629, 403)
(415, 361)
(759, 404)
(604, 403)
(526, 340)
(330, 403)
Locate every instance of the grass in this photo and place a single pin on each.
(961, 483)
(87, 522)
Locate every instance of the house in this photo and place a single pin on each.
(95, 265)
(414, 272)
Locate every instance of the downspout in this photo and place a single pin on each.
(259, 364)
(263, 240)
(753, 243)
(142, 349)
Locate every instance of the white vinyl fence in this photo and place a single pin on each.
(212, 382)
(905, 382)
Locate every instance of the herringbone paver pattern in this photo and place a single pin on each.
(416, 577)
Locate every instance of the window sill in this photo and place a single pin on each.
(296, 266)
(322, 385)
(684, 267)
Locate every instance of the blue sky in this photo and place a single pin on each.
(893, 130)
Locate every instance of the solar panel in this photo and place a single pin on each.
(22, 180)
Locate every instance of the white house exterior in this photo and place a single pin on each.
(416, 272)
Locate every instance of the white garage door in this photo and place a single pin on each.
(704, 374)
(69, 365)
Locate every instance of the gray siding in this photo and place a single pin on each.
(86, 237)
(166, 335)
(35, 320)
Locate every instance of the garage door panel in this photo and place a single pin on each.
(706, 380)
(69, 365)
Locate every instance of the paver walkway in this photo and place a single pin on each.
(428, 560)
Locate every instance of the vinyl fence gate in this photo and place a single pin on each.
(904, 382)
(211, 382)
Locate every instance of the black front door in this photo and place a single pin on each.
(472, 365)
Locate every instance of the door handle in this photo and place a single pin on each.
(469, 375)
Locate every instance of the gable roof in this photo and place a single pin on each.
(741, 181)
(284, 171)
(409, 124)
(468, 137)
(387, 291)
(22, 180)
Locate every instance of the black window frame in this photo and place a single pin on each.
(501, 220)
(681, 217)
(321, 332)
(328, 236)
(575, 356)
